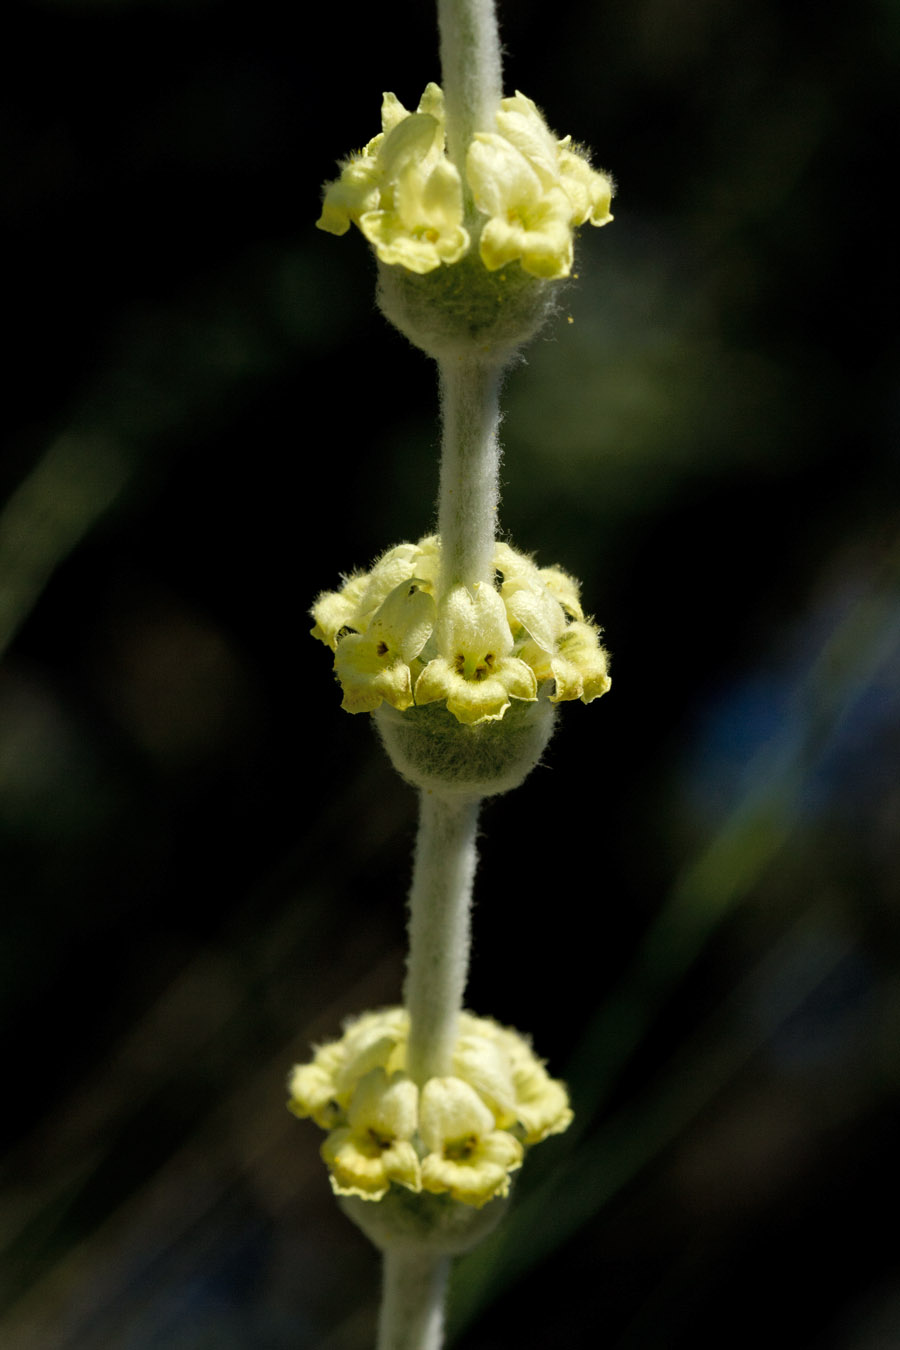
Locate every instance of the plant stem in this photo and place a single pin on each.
(412, 1303)
(470, 72)
(440, 903)
(470, 471)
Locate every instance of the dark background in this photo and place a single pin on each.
(692, 906)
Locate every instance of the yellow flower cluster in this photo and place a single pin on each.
(462, 1135)
(530, 191)
(399, 639)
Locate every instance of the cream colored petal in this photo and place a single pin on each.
(312, 1093)
(450, 1111)
(589, 190)
(388, 1107)
(538, 660)
(537, 235)
(392, 112)
(564, 588)
(475, 1172)
(333, 611)
(360, 1165)
(538, 612)
(435, 682)
(370, 1042)
(581, 668)
(520, 122)
(397, 246)
(500, 177)
(544, 1110)
(471, 626)
(471, 703)
(442, 198)
(482, 1063)
(404, 622)
(357, 190)
(478, 699)
(408, 143)
(516, 567)
(394, 566)
(432, 102)
(370, 676)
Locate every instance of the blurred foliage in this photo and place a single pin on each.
(204, 862)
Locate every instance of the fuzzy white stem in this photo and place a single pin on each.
(440, 903)
(470, 72)
(470, 471)
(412, 1305)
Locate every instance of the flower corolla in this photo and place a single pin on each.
(401, 190)
(462, 1135)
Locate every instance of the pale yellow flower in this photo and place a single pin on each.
(580, 667)
(402, 191)
(527, 222)
(374, 667)
(534, 189)
(311, 1092)
(563, 588)
(467, 1156)
(531, 603)
(335, 610)
(375, 1148)
(483, 1063)
(541, 1103)
(374, 1040)
(589, 190)
(475, 672)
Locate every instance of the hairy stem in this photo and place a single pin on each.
(470, 471)
(470, 72)
(412, 1305)
(440, 903)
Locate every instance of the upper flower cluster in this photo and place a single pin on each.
(462, 1134)
(399, 639)
(530, 190)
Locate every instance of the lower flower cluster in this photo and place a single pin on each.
(462, 1135)
(400, 639)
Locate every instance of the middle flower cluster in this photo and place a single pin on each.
(398, 639)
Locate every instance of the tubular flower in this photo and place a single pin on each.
(398, 639)
(377, 665)
(373, 1148)
(461, 1135)
(534, 189)
(402, 191)
(474, 672)
(467, 1156)
(530, 191)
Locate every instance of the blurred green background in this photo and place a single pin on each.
(693, 905)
